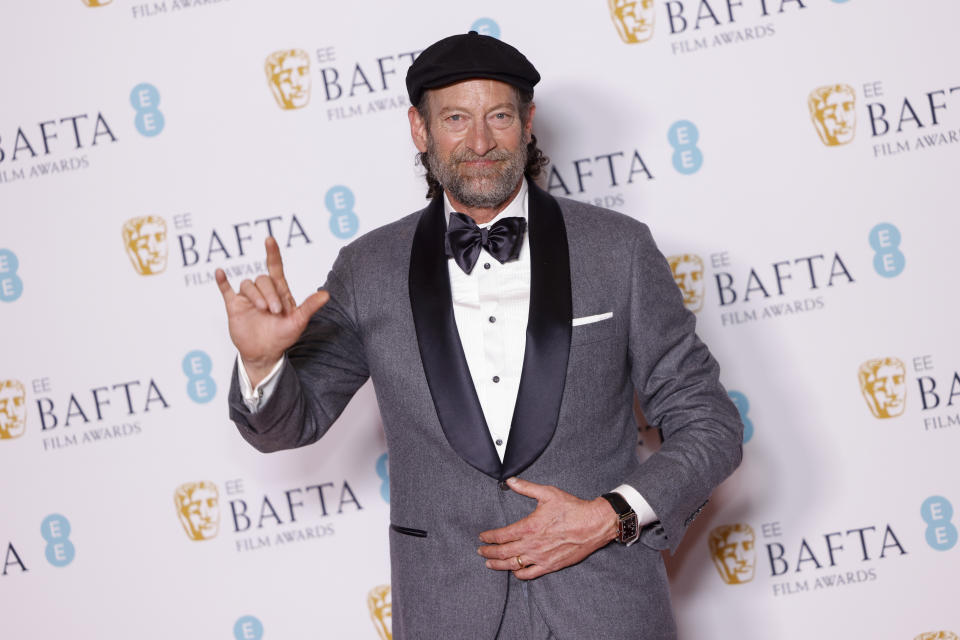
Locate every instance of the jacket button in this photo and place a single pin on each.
(503, 486)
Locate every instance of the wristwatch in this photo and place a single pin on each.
(628, 528)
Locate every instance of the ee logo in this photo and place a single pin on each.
(382, 474)
(343, 221)
(55, 529)
(486, 27)
(743, 406)
(200, 386)
(683, 137)
(937, 512)
(145, 98)
(889, 261)
(11, 286)
(248, 628)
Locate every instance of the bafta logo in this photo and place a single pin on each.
(288, 74)
(633, 19)
(198, 507)
(13, 409)
(97, 3)
(378, 600)
(145, 239)
(884, 386)
(688, 273)
(937, 635)
(732, 550)
(833, 115)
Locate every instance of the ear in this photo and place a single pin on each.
(528, 128)
(418, 129)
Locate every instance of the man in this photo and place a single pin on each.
(498, 353)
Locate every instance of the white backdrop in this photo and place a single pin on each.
(130, 506)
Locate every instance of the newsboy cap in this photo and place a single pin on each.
(466, 56)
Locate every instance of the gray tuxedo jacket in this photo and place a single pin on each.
(390, 318)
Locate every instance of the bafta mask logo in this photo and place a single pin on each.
(688, 274)
(97, 3)
(633, 19)
(145, 239)
(833, 115)
(733, 553)
(883, 382)
(937, 635)
(13, 409)
(198, 507)
(378, 600)
(288, 74)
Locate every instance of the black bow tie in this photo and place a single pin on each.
(464, 240)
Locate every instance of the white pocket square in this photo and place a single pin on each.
(591, 319)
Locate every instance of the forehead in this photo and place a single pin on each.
(887, 370)
(738, 536)
(478, 93)
(841, 95)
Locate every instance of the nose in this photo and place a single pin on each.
(479, 139)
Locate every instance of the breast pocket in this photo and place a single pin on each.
(589, 329)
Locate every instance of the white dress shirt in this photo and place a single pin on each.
(490, 306)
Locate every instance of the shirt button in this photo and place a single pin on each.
(499, 442)
(503, 486)
(492, 319)
(486, 265)
(496, 378)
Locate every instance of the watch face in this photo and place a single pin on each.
(629, 529)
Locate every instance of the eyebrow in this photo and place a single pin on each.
(497, 107)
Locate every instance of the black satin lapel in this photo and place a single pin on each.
(444, 363)
(548, 336)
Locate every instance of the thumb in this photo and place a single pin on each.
(529, 489)
(313, 303)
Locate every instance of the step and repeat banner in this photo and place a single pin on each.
(795, 159)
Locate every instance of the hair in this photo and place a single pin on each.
(536, 159)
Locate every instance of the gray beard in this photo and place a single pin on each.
(482, 191)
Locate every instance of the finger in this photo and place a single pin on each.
(508, 564)
(503, 551)
(225, 289)
(530, 489)
(265, 285)
(249, 291)
(505, 534)
(531, 572)
(313, 303)
(275, 269)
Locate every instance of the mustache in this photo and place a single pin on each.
(465, 155)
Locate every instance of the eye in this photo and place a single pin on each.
(455, 117)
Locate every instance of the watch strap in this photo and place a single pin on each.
(619, 503)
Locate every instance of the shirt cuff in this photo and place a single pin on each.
(638, 503)
(254, 397)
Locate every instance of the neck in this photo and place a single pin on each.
(482, 215)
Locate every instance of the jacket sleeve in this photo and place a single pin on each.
(677, 383)
(325, 367)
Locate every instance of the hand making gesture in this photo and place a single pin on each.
(263, 317)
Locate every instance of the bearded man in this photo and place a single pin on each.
(506, 333)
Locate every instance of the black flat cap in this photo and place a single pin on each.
(467, 56)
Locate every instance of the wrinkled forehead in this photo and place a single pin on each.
(474, 92)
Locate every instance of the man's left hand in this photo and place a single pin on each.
(561, 531)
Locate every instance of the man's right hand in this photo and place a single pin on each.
(263, 318)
